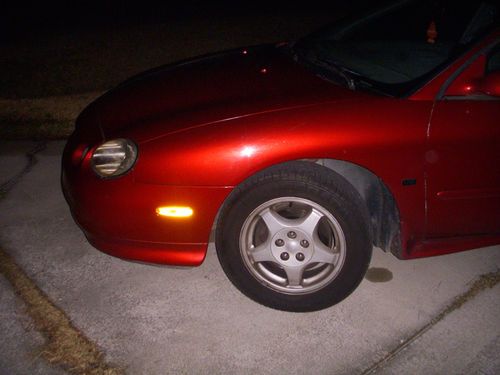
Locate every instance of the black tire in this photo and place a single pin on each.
(284, 198)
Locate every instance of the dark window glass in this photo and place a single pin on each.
(493, 64)
(397, 47)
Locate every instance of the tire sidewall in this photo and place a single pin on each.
(348, 214)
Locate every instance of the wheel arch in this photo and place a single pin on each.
(380, 203)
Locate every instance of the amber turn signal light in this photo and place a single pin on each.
(175, 211)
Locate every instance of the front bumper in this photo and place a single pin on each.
(118, 216)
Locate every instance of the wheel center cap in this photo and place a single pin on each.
(292, 247)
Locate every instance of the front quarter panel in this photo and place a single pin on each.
(385, 136)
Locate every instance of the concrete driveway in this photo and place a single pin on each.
(163, 320)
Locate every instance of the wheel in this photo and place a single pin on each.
(295, 237)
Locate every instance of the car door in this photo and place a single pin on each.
(463, 152)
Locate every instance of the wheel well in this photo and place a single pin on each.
(383, 210)
(381, 205)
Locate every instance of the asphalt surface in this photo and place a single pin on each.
(164, 320)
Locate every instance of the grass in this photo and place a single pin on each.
(46, 127)
(65, 345)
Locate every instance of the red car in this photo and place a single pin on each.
(381, 130)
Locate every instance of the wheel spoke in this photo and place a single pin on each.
(294, 276)
(274, 221)
(292, 245)
(262, 253)
(309, 223)
(322, 253)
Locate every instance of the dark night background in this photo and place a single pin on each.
(55, 48)
(22, 18)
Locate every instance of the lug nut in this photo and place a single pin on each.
(300, 257)
(284, 256)
(279, 242)
(304, 243)
(292, 234)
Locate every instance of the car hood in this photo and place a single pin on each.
(213, 88)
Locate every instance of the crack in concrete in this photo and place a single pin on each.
(484, 281)
(64, 345)
(32, 160)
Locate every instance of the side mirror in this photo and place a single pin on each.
(490, 84)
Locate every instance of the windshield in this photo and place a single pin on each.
(396, 48)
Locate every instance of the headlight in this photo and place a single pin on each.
(114, 158)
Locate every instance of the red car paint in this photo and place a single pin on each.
(205, 126)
